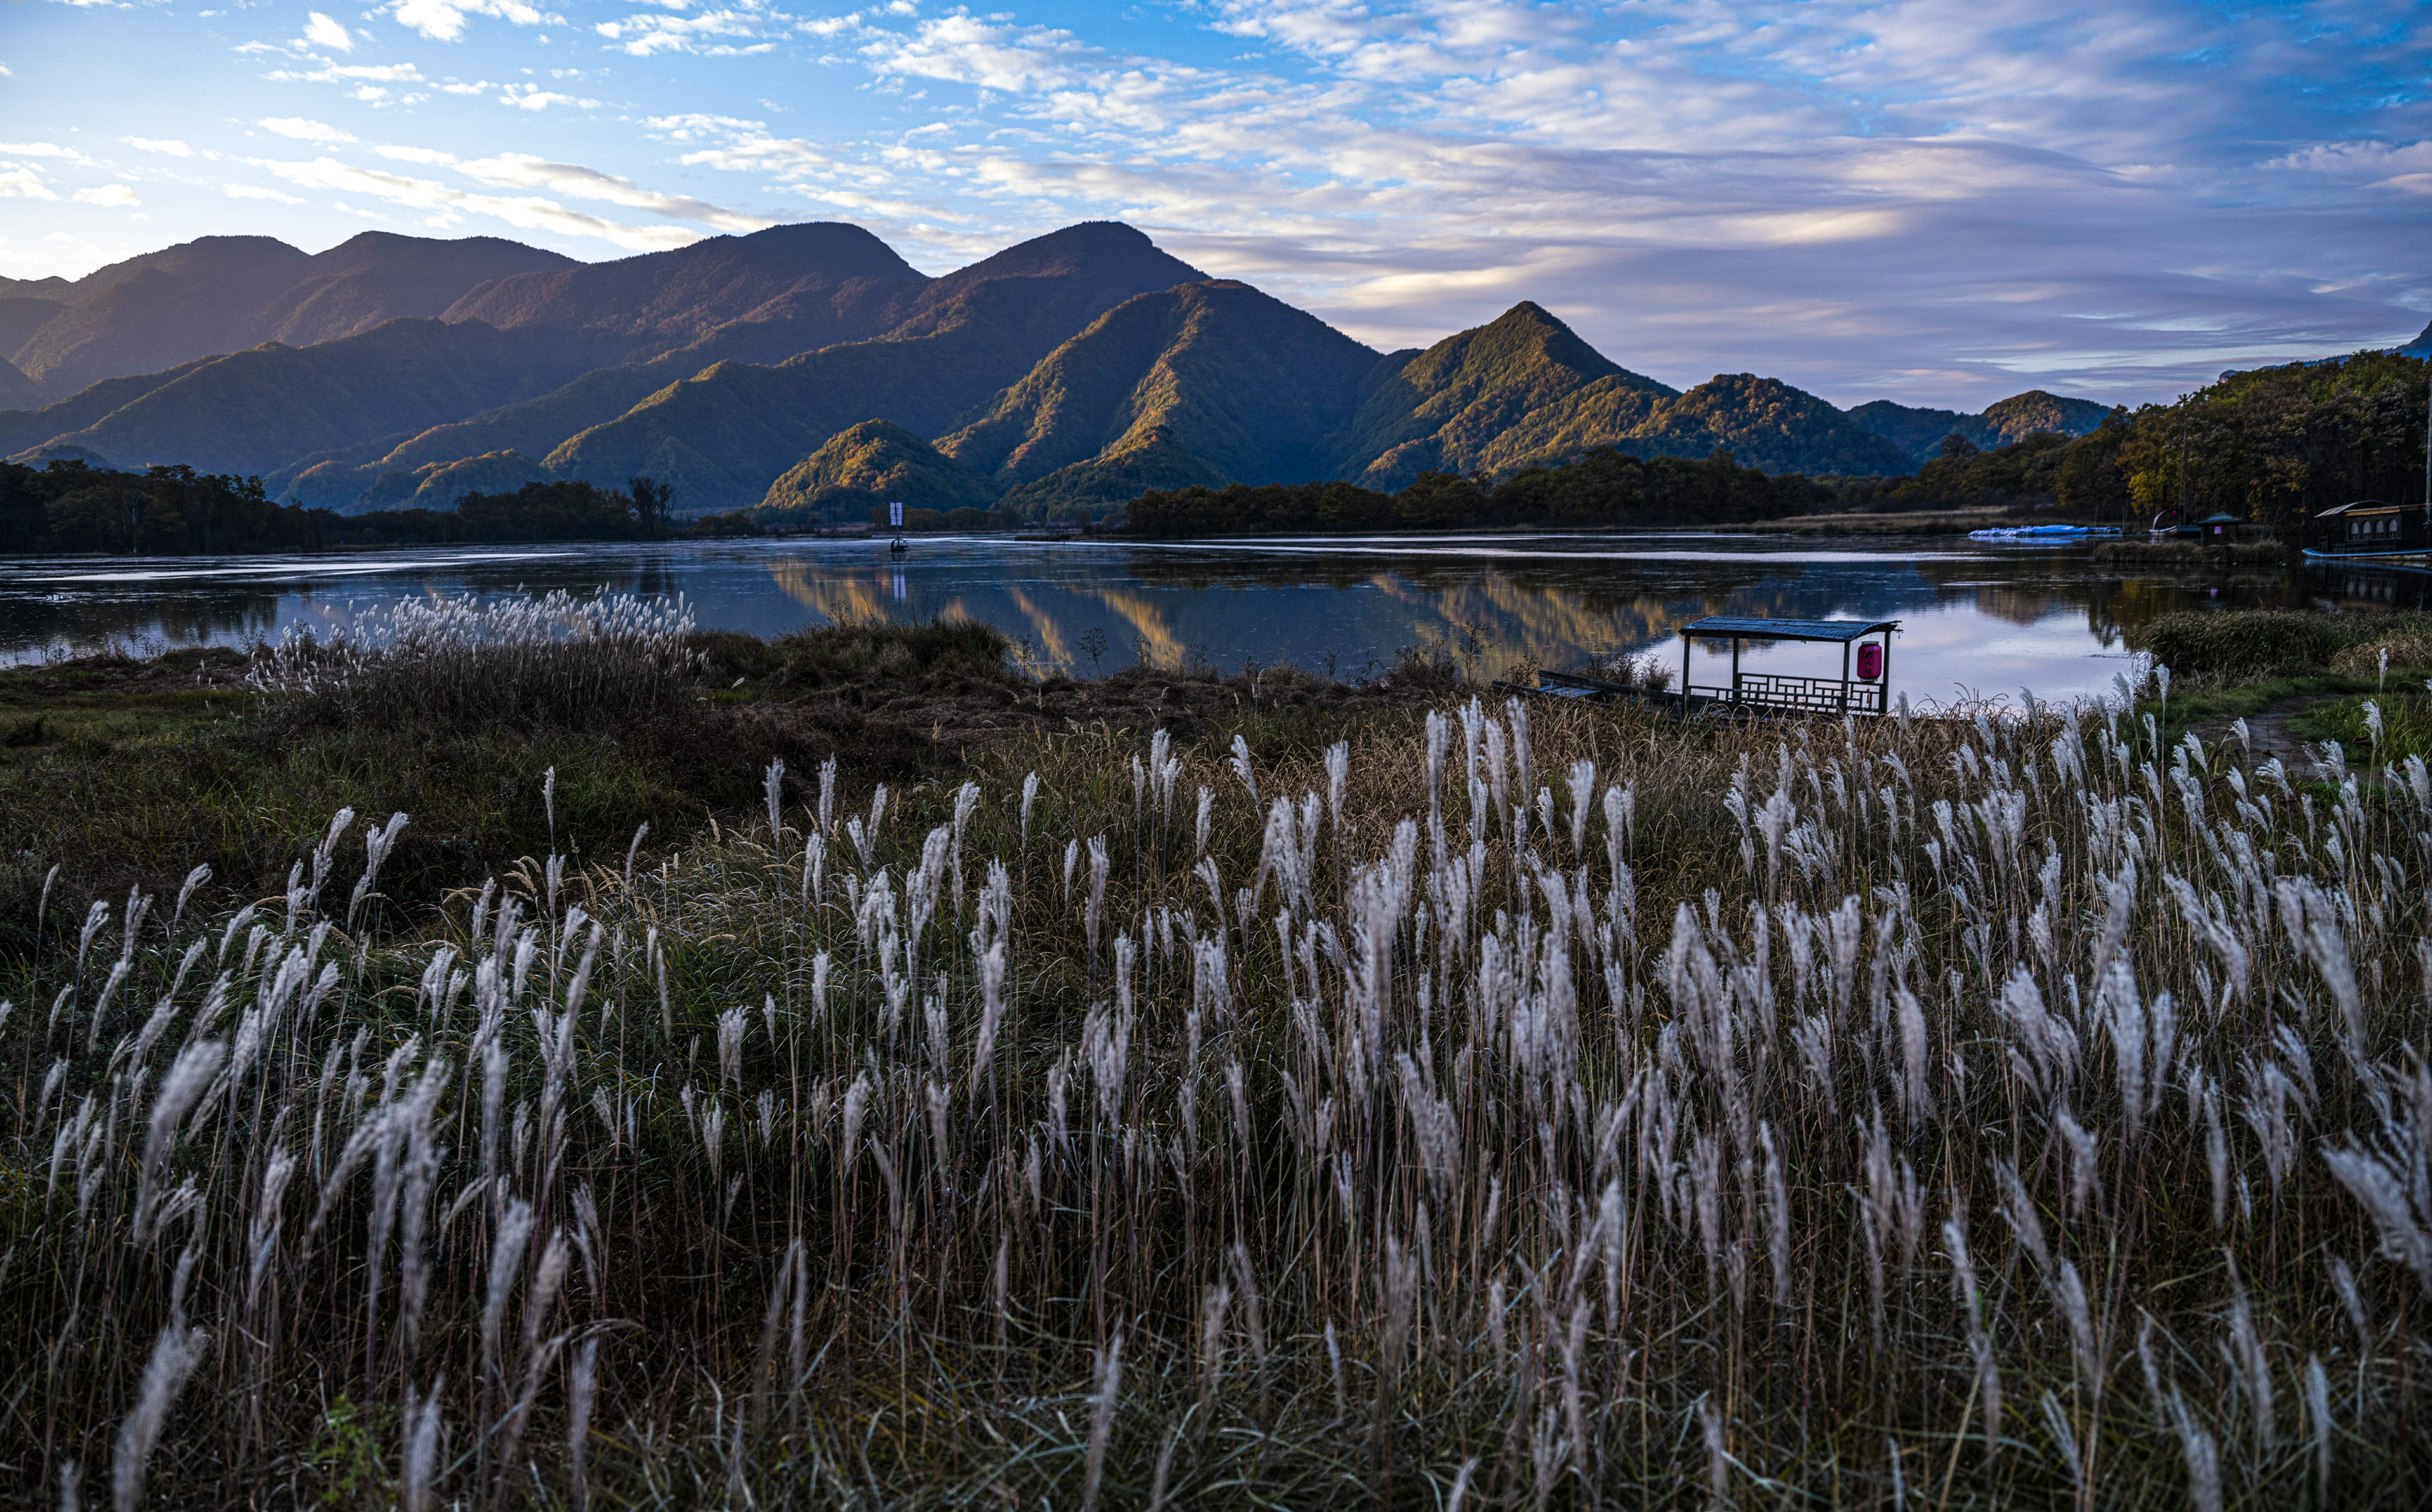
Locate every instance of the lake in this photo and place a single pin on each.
(1976, 616)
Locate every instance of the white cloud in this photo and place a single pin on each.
(166, 148)
(420, 155)
(114, 196)
(519, 171)
(966, 50)
(643, 35)
(533, 97)
(530, 214)
(256, 191)
(304, 131)
(696, 127)
(18, 182)
(351, 72)
(320, 31)
(443, 20)
(40, 149)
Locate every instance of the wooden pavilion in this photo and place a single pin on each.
(1865, 665)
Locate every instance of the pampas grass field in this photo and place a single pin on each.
(1504, 1107)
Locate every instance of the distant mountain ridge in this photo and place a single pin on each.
(224, 294)
(1919, 433)
(808, 368)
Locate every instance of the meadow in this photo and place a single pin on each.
(1476, 1102)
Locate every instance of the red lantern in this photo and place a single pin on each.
(1870, 661)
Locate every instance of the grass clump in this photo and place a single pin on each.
(1494, 1105)
(556, 661)
(2216, 646)
(2193, 555)
(2245, 643)
(2407, 640)
(941, 658)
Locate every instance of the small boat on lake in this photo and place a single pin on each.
(2369, 528)
(2043, 532)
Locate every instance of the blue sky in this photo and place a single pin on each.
(1935, 201)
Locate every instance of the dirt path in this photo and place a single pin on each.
(2268, 731)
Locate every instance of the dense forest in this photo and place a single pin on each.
(73, 507)
(2276, 446)
(1603, 488)
(561, 511)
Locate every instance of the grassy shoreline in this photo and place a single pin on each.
(1359, 1097)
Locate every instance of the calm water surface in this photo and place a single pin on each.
(1975, 617)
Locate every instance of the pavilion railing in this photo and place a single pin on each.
(1774, 690)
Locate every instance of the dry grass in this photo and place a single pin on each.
(1508, 1106)
(2195, 556)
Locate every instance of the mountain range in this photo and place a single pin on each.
(811, 369)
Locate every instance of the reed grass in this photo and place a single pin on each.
(1505, 1105)
(2260, 556)
(2218, 646)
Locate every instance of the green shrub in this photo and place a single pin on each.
(2239, 642)
(944, 656)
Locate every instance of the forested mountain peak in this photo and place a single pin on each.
(1919, 432)
(1108, 250)
(1446, 407)
(1240, 379)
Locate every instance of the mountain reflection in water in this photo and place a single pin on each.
(1977, 617)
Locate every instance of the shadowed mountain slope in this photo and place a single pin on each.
(441, 484)
(535, 427)
(17, 391)
(1251, 387)
(1140, 461)
(161, 309)
(796, 292)
(250, 412)
(225, 294)
(1447, 408)
(722, 436)
(51, 288)
(835, 283)
(21, 429)
(380, 276)
(1062, 375)
(21, 316)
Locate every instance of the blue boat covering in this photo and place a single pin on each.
(2030, 532)
(1757, 628)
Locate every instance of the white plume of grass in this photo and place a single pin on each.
(175, 1354)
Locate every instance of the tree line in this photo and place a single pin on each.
(2276, 446)
(560, 511)
(75, 507)
(72, 507)
(1603, 488)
